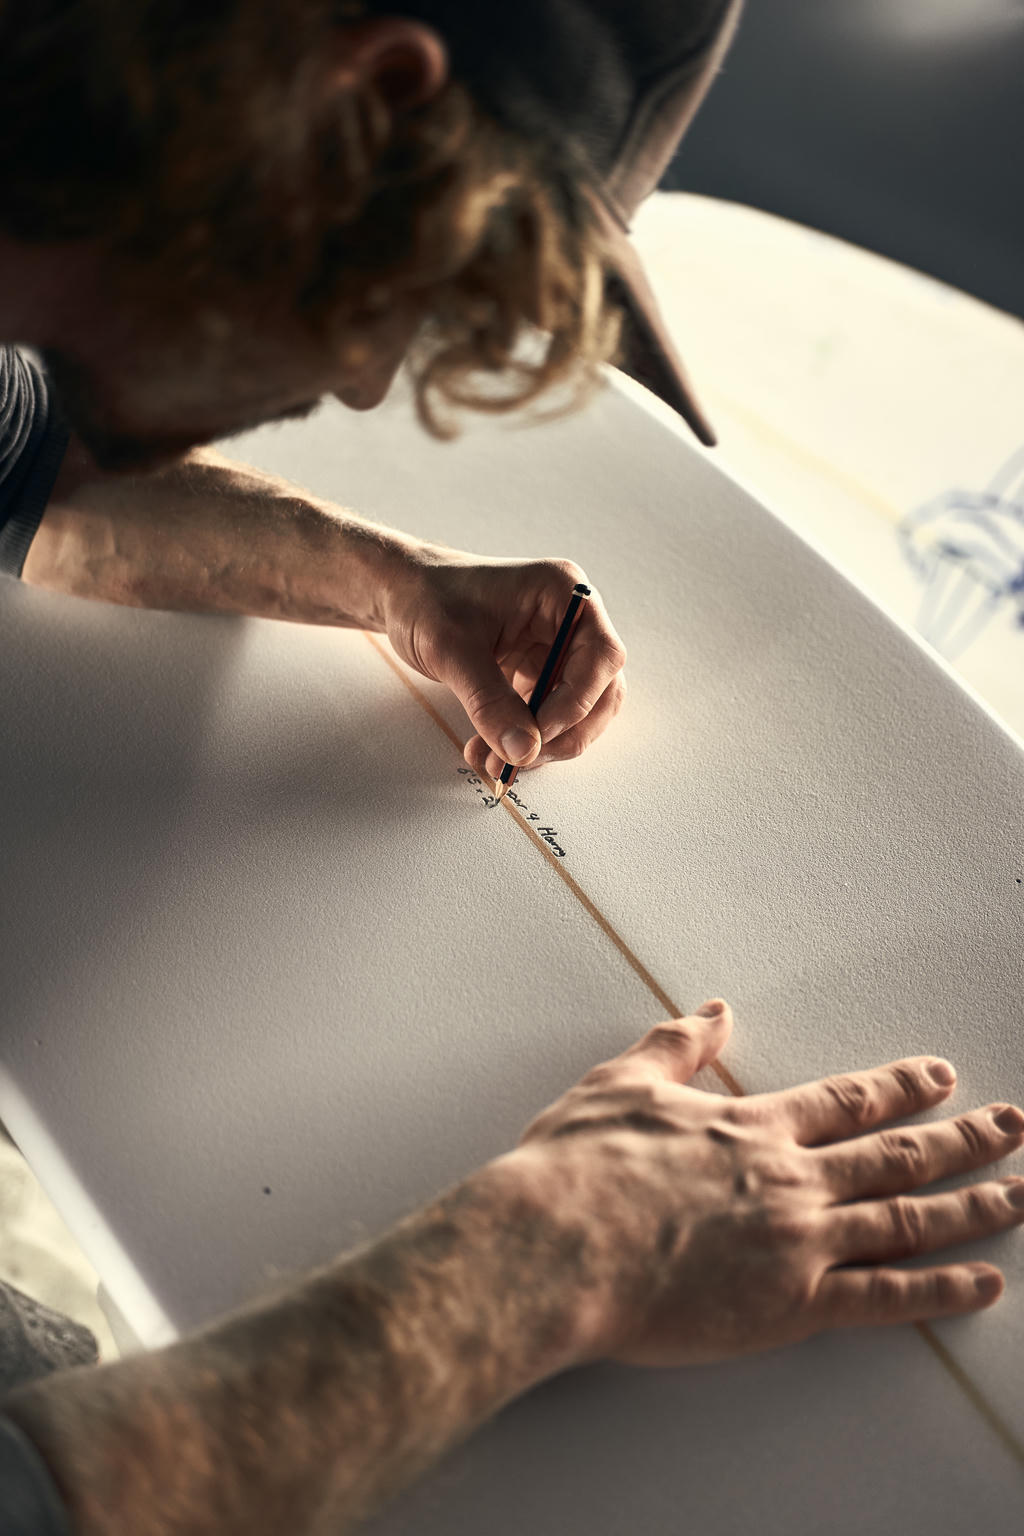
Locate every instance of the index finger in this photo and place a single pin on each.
(835, 1108)
(595, 657)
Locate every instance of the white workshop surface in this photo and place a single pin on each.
(247, 941)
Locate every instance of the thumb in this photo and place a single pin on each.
(715, 1020)
(496, 711)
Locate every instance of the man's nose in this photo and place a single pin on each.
(365, 387)
(364, 393)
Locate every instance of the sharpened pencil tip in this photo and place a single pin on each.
(500, 790)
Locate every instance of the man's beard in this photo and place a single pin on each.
(117, 451)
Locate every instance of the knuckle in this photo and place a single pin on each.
(564, 570)
(612, 653)
(910, 1085)
(655, 1098)
(907, 1223)
(885, 1290)
(604, 1076)
(726, 1130)
(792, 1228)
(853, 1099)
(540, 1125)
(972, 1136)
(759, 1119)
(580, 709)
(673, 1036)
(614, 1103)
(586, 699)
(723, 1131)
(903, 1155)
(794, 1170)
(942, 1288)
(615, 1088)
(977, 1209)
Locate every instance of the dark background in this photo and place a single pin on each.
(895, 124)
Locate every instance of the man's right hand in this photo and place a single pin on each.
(710, 1227)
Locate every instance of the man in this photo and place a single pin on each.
(213, 215)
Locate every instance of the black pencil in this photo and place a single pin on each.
(548, 675)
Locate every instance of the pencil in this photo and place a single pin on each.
(548, 675)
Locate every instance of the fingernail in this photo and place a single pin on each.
(1014, 1191)
(712, 1009)
(942, 1072)
(1010, 1120)
(988, 1284)
(516, 745)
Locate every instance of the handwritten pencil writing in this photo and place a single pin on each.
(476, 782)
(548, 834)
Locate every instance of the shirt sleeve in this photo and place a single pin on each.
(29, 1501)
(33, 437)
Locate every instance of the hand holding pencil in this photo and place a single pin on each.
(584, 692)
(484, 628)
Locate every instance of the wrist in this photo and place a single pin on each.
(367, 565)
(551, 1226)
(409, 586)
(484, 1292)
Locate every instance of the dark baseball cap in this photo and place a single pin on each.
(610, 86)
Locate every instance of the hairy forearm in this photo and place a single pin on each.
(207, 534)
(304, 1412)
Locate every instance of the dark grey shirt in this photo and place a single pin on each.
(35, 1341)
(33, 437)
(29, 1502)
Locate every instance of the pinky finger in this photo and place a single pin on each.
(854, 1298)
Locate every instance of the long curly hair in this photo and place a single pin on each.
(197, 141)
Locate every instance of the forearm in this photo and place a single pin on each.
(303, 1413)
(210, 535)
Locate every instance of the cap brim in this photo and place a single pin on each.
(659, 123)
(648, 353)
